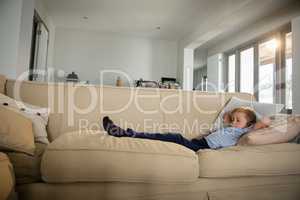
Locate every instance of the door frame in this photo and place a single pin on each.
(37, 21)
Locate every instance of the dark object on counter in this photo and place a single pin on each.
(73, 77)
(143, 83)
(168, 80)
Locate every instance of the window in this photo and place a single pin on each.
(247, 70)
(288, 70)
(263, 67)
(231, 73)
(267, 54)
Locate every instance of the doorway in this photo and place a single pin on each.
(39, 49)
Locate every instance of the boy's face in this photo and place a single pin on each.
(239, 120)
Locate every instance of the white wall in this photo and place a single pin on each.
(25, 35)
(89, 52)
(296, 65)
(199, 73)
(10, 21)
(200, 66)
(200, 58)
(215, 73)
(16, 19)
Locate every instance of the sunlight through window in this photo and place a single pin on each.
(246, 73)
(267, 54)
(231, 73)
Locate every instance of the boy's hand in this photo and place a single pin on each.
(266, 121)
(263, 123)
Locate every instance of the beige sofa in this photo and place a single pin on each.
(82, 162)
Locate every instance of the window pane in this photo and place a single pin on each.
(267, 53)
(231, 73)
(246, 73)
(288, 70)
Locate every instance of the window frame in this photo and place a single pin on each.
(276, 78)
(279, 93)
(282, 84)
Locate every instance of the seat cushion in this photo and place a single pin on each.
(273, 159)
(96, 157)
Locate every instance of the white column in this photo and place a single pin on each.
(296, 64)
(188, 69)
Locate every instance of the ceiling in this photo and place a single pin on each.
(176, 18)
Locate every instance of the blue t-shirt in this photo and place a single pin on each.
(225, 137)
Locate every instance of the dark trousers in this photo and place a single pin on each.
(194, 144)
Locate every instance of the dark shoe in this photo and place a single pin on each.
(113, 129)
(107, 122)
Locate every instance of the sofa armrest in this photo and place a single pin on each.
(2, 83)
(7, 182)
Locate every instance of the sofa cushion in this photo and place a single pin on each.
(38, 116)
(96, 157)
(274, 159)
(16, 133)
(283, 128)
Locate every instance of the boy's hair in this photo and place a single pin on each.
(251, 116)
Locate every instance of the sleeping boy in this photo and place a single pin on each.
(239, 121)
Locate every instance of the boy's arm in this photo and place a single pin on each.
(263, 123)
(226, 120)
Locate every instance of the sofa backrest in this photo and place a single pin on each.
(79, 107)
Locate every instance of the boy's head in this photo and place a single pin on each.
(242, 117)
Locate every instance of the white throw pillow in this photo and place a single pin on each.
(38, 116)
(261, 109)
